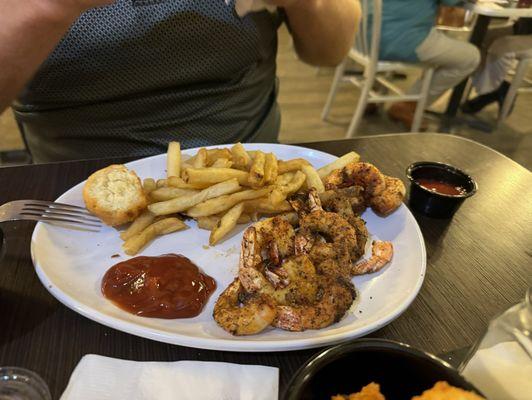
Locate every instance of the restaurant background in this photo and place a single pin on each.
(304, 89)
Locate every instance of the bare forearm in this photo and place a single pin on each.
(29, 31)
(323, 30)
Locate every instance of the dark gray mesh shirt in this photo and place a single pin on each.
(129, 77)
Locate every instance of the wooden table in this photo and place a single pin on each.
(485, 11)
(478, 264)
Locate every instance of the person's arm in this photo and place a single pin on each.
(323, 30)
(29, 31)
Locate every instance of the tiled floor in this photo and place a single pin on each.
(303, 90)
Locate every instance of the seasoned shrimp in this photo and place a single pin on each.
(362, 235)
(264, 246)
(291, 217)
(240, 313)
(293, 279)
(326, 237)
(390, 198)
(381, 254)
(339, 203)
(331, 303)
(275, 231)
(359, 173)
(305, 202)
(353, 194)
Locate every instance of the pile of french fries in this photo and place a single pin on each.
(221, 188)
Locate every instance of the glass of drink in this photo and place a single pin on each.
(22, 384)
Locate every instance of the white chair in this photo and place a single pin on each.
(367, 55)
(515, 87)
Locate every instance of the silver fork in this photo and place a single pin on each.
(47, 211)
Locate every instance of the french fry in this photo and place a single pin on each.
(173, 159)
(177, 182)
(222, 163)
(313, 179)
(187, 161)
(265, 206)
(255, 216)
(292, 165)
(200, 160)
(284, 179)
(167, 193)
(149, 185)
(183, 203)
(210, 176)
(244, 219)
(138, 225)
(277, 195)
(256, 172)
(339, 163)
(294, 185)
(161, 183)
(222, 203)
(241, 159)
(216, 154)
(253, 153)
(209, 222)
(270, 169)
(226, 224)
(167, 225)
(185, 165)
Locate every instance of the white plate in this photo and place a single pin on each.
(71, 264)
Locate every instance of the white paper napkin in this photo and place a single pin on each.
(243, 7)
(103, 378)
(501, 372)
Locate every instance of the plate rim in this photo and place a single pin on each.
(226, 344)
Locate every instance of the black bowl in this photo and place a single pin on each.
(401, 371)
(434, 204)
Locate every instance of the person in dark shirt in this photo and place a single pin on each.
(93, 78)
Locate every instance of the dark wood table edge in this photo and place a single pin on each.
(422, 134)
(302, 144)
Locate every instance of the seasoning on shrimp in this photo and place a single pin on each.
(240, 313)
(381, 254)
(384, 194)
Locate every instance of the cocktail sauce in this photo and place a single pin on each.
(168, 286)
(441, 187)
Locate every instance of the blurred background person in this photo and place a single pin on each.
(500, 51)
(128, 76)
(409, 35)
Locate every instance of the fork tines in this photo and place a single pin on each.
(58, 212)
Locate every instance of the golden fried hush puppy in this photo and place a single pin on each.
(444, 391)
(115, 195)
(368, 392)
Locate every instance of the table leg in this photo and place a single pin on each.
(477, 37)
